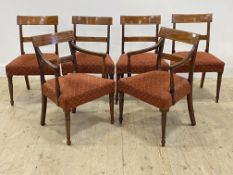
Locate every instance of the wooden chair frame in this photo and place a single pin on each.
(184, 37)
(30, 20)
(198, 18)
(56, 38)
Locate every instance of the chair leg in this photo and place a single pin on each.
(121, 106)
(43, 110)
(202, 79)
(111, 105)
(67, 118)
(111, 76)
(117, 94)
(219, 81)
(190, 108)
(27, 82)
(10, 86)
(74, 110)
(163, 122)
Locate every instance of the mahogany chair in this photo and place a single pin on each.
(70, 90)
(26, 64)
(205, 61)
(141, 60)
(161, 88)
(89, 61)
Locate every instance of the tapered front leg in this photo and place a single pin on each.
(27, 82)
(43, 109)
(111, 105)
(202, 79)
(67, 118)
(163, 123)
(10, 86)
(121, 106)
(219, 81)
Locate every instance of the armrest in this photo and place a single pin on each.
(183, 61)
(51, 65)
(154, 47)
(88, 51)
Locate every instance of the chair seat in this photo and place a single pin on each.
(139, 63)
(154, 88)
(77, 89)
(27, 65)
(90, 64)
(205, 62)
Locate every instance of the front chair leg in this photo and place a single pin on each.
(202, 79)
(111, 76)
(190, 108)
(111, 105)
(67, 118)
(43, 110)
(27, 82)
(219, 81)
(74, 110)
(163, 123)
(10, 86)
(121, 106)
(117, 94)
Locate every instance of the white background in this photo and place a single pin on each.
(221, 29)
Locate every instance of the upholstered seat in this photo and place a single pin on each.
(90, 64)
(27, 65)
(77, 89)
(154, 88)
(140, 63)
(205, 62)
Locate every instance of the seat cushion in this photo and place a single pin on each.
(205, 62)
(77, 89)
(139, 63)
(154, 88)
(27, 65)
(90, 64)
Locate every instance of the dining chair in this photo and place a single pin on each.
(163, 89)
(142, 60)
(70, 90)
(205, 61)
(91, 61)
(26, 64)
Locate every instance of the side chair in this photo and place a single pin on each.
(142, 60)
(26, 63)
(205, 61)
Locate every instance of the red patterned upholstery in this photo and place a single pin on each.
(77, 89)
(139, 63)
(27, 65)
(90, 64)
(153, 87)
(205, 62)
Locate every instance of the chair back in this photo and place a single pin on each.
(139, 20)
(91, 20)
(54, 39)
(194, 18)
(35, 20)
